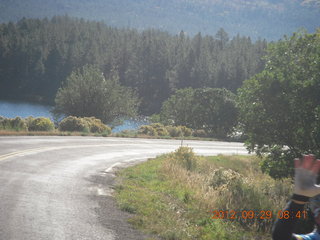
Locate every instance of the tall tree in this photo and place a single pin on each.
(280, 106)
(88, 93)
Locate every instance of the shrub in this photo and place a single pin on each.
(16, 124)
(86, 124)
(41, 124)
(186, 131)
(278, 164)
(96, 126)
(160, 129)
(221, 178)
(185, 157)
(73, 124)
(148, 130)
(200, 133)
(174, 131)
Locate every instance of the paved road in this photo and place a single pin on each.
(59, 187)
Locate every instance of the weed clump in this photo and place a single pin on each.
(85, 125)
(13, 124)
(40, 124)
(185, 157)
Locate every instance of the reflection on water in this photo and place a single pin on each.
(11, 109)
(130, 125)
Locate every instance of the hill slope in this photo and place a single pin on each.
(269, 19)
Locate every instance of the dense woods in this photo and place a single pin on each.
(280, 107)
(36, 56)
(268, 19)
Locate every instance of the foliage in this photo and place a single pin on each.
(147, 130)
(96, 126)
(174, 131)
(40, 124)
(160, 129)
(278, 163)
(185, 157)
(172, 202)
(38, 55)
(210, 109)
(15, 124)
(87, 92)
(200, 133)
(75, 124)
(280, 106)
(193, 16)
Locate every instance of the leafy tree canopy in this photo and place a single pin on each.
(88, 93)
(281, 105)
(211, 109)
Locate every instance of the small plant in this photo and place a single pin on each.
(86, 125)
(96, 126)
(200, 133)
(160, 129)
(41, 124)
(187, 132)
(185, 157)
(15, 124)
(278, 163)
(147, 130)
(73, 124)
(174, 131)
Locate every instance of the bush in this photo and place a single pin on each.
(221, 178)
(174, 131)
(96, 126)
(187, 132)
(73, 124)
(41, 124)
(147, 130)
(185, 157)
(86, 124)
(200, 133)
(16, 124)
(279, 163)
(160, 129)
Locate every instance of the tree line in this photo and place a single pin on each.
(37, 55)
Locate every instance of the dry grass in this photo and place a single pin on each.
(174, 195)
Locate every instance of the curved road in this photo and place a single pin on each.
(60, 187)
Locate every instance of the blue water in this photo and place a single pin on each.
(130, 125)
(10, 109)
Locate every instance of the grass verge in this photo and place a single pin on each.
(174, 196)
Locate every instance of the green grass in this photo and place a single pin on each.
(173, 203)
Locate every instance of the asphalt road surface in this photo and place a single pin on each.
(60, 187)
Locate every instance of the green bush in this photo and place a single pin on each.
(200, 133)
(73, 124)
(41, 124)
(187, 132)
(160, 129)
(174, 131)
(96, 126)
(147, 130)
(16, 124)
(221, 177)
(186, 158)
(86, 125)
(279, 163)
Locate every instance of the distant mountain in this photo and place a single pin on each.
(269, 19)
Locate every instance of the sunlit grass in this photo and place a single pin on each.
(173, 198)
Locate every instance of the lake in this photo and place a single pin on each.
(12, 109)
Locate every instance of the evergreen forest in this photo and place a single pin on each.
(37, 55)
